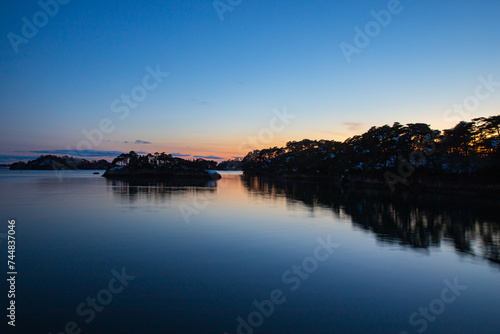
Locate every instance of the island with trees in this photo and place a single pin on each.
(52, 162)
(160, 165)
(230, 165)
(399, 156)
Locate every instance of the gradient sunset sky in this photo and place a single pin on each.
(231, 71)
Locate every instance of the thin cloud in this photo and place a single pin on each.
(142, 142)
(205, 103)
(209, 157)
(80, 153)
(353, 126)
(7, 156)
(4, 158)
(180, 155)
(7, 159)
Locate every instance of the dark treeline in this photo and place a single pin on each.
(420, 221)
(131, 159)
(161, 160)
(231, 164)
(52, 162)
(397, 151)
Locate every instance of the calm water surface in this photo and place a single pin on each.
(208, 256)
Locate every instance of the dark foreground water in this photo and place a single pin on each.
(245, 255)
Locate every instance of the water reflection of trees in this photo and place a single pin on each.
(421, 221)
(159, 189)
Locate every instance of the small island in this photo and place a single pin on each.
(160, 165)
(52, 162)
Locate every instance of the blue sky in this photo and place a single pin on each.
(228, 78)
